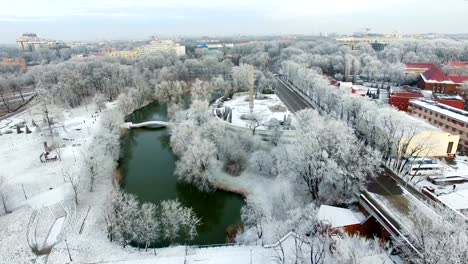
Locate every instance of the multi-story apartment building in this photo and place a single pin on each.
(164, 46)
(31, 42)
(448, 118)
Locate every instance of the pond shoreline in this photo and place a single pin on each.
(146, 168)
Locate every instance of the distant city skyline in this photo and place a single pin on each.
(87, 20)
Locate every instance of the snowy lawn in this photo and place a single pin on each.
(46, 189)
(266, 109)
(31, 185)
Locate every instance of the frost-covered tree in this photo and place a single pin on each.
(92, 165)
(255, 120)
(100, 100)
(274, 125)
(120, 212)
(324, 157)
(4, 92)
(441, 239)
(147, 226)
(74, 181)
(170, 91)
(195, 164)
(201, 90)
(357, 249)
(111, 120)
(265, 163)
(241, 77)
(178, 221)
(253, 215)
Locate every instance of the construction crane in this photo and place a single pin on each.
(251, 88)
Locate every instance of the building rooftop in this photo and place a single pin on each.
(447, 97)
(459, 79)
(339, 217)
(443, 109)
(458, 64)
(435, 75)
(420, 65)
(457, 200)
(404, 90)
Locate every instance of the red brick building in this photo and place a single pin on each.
(437, 81)
(449, 99)
(20, 62)
(400, 98)
(458, 64)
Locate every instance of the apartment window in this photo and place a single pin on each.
(437, 115)
(449, 147)
(429, 119)
(453, 129)
(446, 126)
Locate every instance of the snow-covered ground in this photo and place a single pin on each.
(399, 206)
(266, 109)
(456, 198)
(47, 193)
(33, 187)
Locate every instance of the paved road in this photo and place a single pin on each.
(291, 99)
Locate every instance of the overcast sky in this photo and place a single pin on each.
(136, 19)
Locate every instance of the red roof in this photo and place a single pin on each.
(459, 79)
(458, 64)
(435, 74)
(420, 65)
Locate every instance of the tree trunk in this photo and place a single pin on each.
(21, 94)
(5, 103)
(4, 204)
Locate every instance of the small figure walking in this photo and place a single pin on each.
(454, 186)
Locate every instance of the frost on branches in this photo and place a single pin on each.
(128, 221)
(328, 159)
(194, 138)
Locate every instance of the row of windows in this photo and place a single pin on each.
(443, 117)
(440, 124)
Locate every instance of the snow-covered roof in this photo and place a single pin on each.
(435, 75)
(443, 109)
(459, 79)
(460, 64)
(339, 217)
(457, 200)
(452, 97)
(423, 126)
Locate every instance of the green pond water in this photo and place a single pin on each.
(147, 165)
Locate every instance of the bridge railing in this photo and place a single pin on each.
(396, 233)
